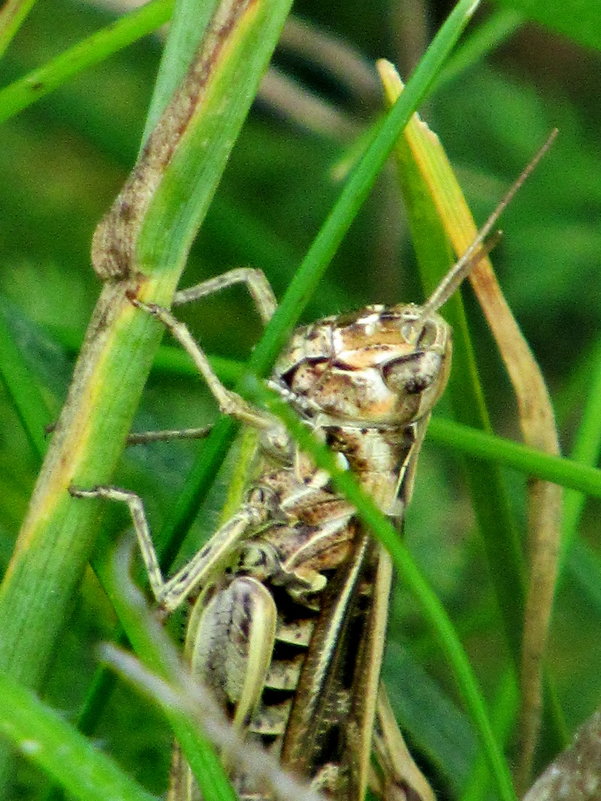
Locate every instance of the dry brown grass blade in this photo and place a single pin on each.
(536, 417)
(537, 423)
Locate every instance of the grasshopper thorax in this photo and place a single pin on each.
(379, 367)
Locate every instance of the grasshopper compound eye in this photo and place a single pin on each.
(413, 374)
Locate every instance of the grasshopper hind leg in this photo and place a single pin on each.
(230, 643)
(229, 646)
(399, 779)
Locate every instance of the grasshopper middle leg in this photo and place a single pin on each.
(171, 592)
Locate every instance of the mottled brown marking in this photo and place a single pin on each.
(114, 241)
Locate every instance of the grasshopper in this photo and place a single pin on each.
(289, 627)
(291, 594)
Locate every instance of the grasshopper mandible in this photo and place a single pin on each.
(288, 625)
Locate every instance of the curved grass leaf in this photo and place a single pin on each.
(68, 757)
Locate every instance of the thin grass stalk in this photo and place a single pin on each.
(92, 50)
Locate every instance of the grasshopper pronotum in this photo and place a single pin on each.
(289, 624)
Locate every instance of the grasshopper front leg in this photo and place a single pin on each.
(257, 284)
(229, 402)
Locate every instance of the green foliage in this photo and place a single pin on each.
(62, 161)
(579, 20)
(64, 753)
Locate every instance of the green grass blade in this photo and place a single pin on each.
(59, 533)
(482, 445)
(70, 759)
(91, 51)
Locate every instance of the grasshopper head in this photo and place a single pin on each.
(381, 366)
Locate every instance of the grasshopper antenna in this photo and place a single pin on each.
(480, 247)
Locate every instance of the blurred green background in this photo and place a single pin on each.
(62, 162)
